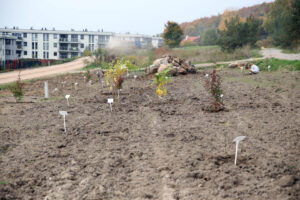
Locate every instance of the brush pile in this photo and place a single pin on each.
(178, 66)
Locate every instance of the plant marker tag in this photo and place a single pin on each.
(127, 73)
(221, 96)
(237, 140)
(67, 97)
(118, 94)
(55, 90)
(75, 84)
(90, 82)
(242, 68)
(110, 101)
(206, 75)
(135, 76)
(46, 89)
(64, 113)
(84, 78)
(269, 68)
(63, 83)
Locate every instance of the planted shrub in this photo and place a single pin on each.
(88, 76)
(17, 88)
(213, 86)
(113, 74)
(160, 80)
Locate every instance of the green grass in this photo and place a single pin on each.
(195, 47)
(64, 61)
(291, 51)
(277, 64)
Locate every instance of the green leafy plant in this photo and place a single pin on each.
(17, 88)
(213, 86)
(113, 74)
(160, 80)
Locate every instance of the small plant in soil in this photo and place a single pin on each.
(17, 88)
(213, 87)
(88, 76)
(160, 80)
(114, 74)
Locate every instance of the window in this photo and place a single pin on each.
(74, 38)
(34, 45)
(25, 53)
(7, 52)
(55, 36)
(55, 45)
(82, 37)
(46, 46)
(25, 44)
(91, 39)
(46, 54)
(36, 54)
(7, 42)
(46, 36)
(82, 46)
(34, 37)
(55, 53)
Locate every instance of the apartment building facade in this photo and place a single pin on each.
(8, 48)
(53, 44)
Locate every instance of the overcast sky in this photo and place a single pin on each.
(134, 16)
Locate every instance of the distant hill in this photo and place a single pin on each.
(198, 26)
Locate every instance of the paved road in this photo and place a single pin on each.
(43, 71)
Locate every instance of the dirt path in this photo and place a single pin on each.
(277, 53)
(267, 53)
(43, 71)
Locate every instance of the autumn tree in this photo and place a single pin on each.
(172, 34)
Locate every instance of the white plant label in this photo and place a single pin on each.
(135, 76)
(110, 101)
(46, 89)
(269, 68)
(118, 94)
(221, 95)
(67, 97)
(206, 75)
(64, 113)
(75, 84)
(237, 140)
(63, 83)
(55, 90)
(84, 78)
(90, 82)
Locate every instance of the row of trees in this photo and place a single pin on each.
(282, 26)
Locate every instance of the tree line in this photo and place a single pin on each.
(281, 27)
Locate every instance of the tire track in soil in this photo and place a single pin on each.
(160, 157)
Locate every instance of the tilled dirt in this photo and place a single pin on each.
(153, 149)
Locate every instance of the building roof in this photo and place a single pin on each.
(191, 39)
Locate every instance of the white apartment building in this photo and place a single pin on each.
(56, 44)
(8, 48)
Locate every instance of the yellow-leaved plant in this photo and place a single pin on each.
(160, 80)
(113, 74)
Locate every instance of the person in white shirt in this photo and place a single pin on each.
(254, 69)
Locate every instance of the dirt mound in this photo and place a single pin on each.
(178, 66)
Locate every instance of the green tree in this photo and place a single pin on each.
(237, 34)
(279, 22)
(295, 25)
(210, 37)
(172, 34)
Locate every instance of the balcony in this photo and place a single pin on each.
(66, 40)
(19, 47)
(71, 49)
(74, 49)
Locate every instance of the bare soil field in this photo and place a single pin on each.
(148, 149)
